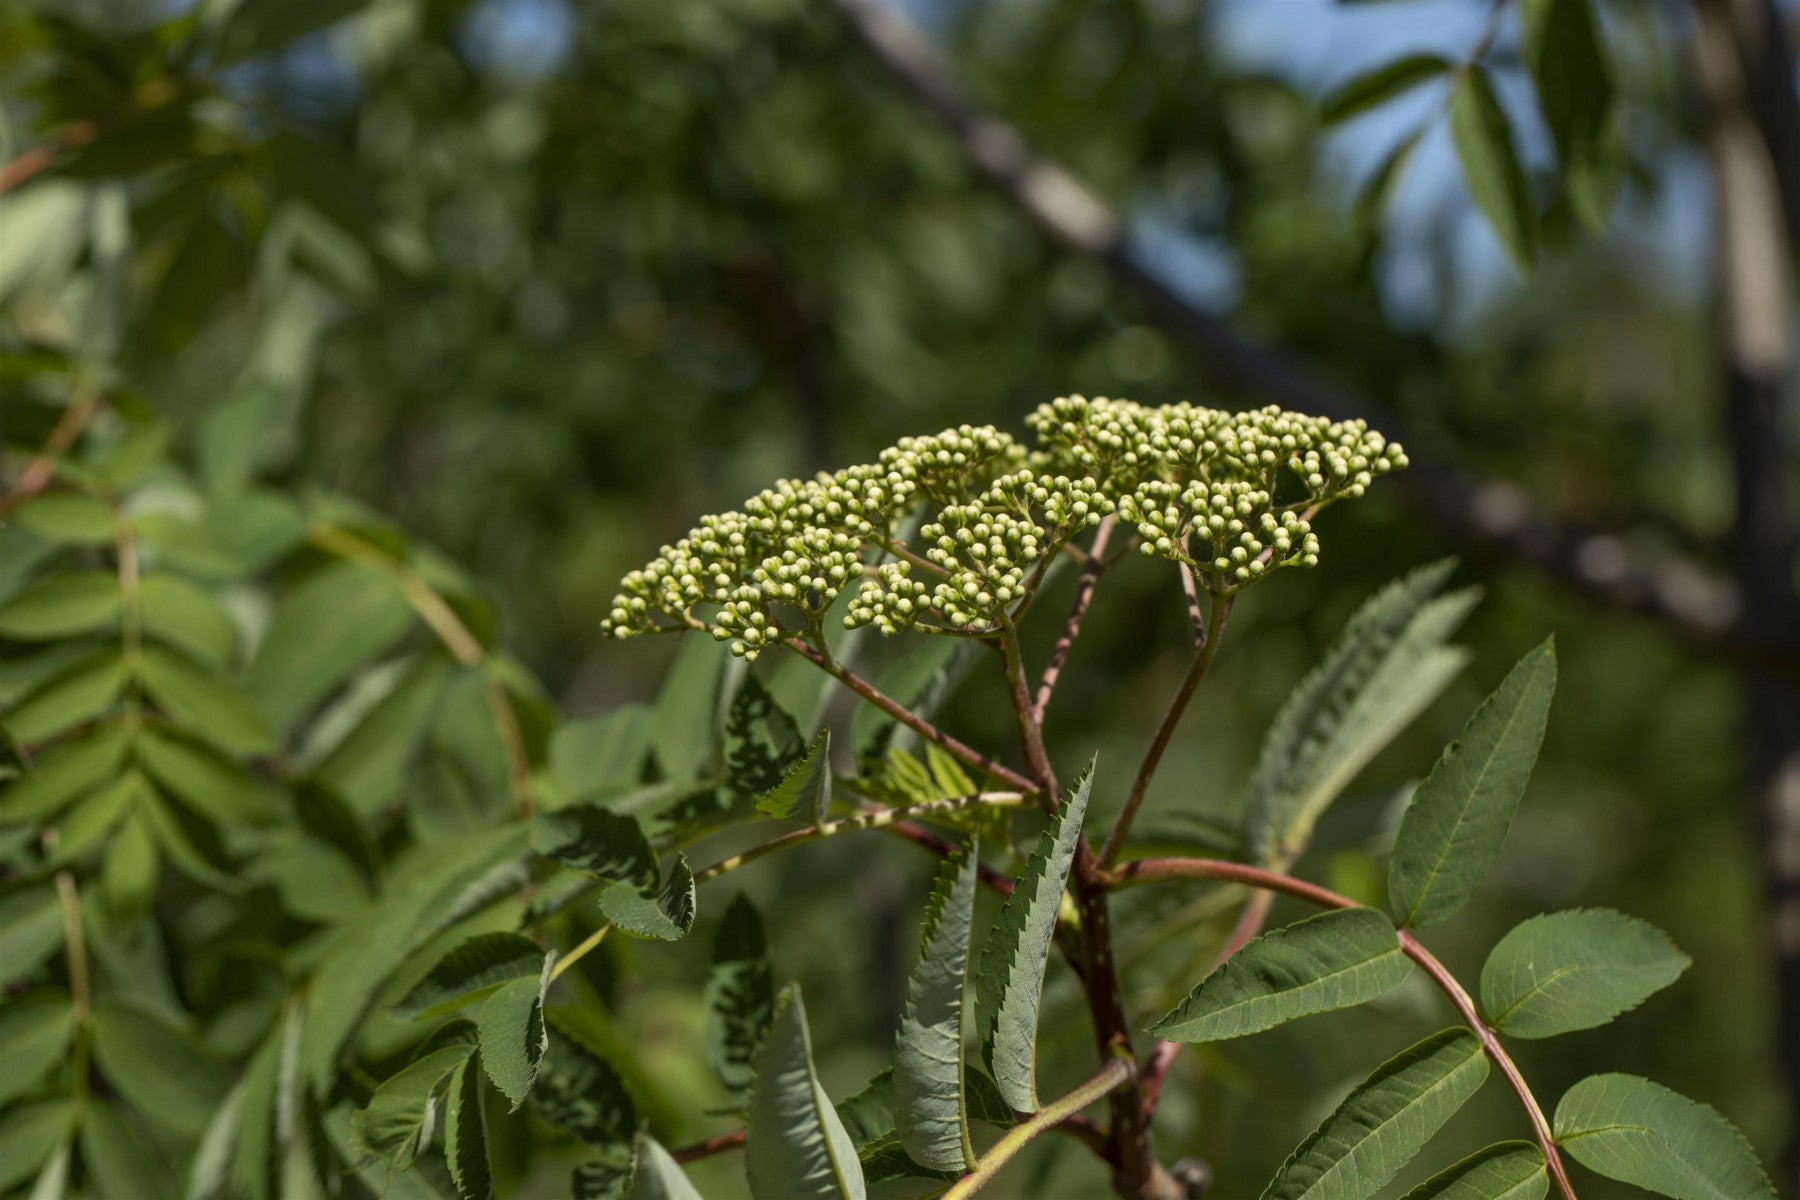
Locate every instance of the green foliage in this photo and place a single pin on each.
(930, 1109)
(1574, 970)
(740, 995)
(1009, 983)
(1484, 144)
(1334, 960)
(1459, 815)
(796, 1147)
(1641, 1133)
(1385, 1121)
(1508, 1171)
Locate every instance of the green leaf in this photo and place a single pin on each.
(1575, 970)
(389, 1125)
(667, 914)
(79, 694)
(472, 971)
(740, 995)
(607, 1178)
(91, 821)
(1507, 1171)
(1641, 1133)
(63, 773)
(465, 1136)
(1385, 1121)
(1484, 144)
(339, 618)
(192, 845)
(597, 842)
(204, 780)
(868, 1116)
(921, 681)
(61, 606)
(930, 1111)
(579, 1092)
(28, 1136)
(1380, 85)
(686, 710)
(1331, 961)
(213, 708)
(68, 519)
(1011, 979)
(513, 1034)
(602, 754)
(31, 930)
(118, 1162)
(762, 742)
(186, 616)
(806, 788)
(35, 1031)
(1567, 58)
(796, 1148)
(658, 1175)
(53, 1177)
(129, 872)
(1458, 818)
(157, 1068)
(1390, 662)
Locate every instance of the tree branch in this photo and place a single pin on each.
(1482, 514)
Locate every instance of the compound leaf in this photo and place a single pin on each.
(1331, 961)
(1638, 1132)
(1458, 818)
(1011, 979)
(1385, 1121)
(930, 1107)
(796, 1148)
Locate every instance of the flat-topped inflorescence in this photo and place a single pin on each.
(1229, 495)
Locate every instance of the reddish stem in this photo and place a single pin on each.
(1147, 870)
(708, 1148)
(919, 835)
(39, 471)
(1084, 595)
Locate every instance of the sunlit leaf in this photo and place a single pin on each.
(796, 1148)
(1641, 1133)
(930, 1112)
(1574, 970)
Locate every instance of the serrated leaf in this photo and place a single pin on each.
(35, 1031)
(1507, 1171)
(1638, 1132)
(666, 914)
(186, 616)
(762, 742)
(1567, 58)
(740, 995)
(79, 694)
(1010, 981)
(390, 1124)
(1385, 1121)
(597, 842)
(658, 1176)
(1390, 662)
(472, 971)
(1484, 145)
(209, 705)
(337, 619)
(806, 788)
(930, 1110)
(607, 1178)
(1380, 85)
(65, 605)
(1331, 961)
(579, 1092)
(868, 1116)
(686, 710)
(158, 1069)
(795, 1147)
(1452, 831)
(513, 1034)
(1575, 970)
(31, 930)
(465, 1135)
(63, 773)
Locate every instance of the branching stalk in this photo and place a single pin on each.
(1094, 566)
(1115, 1074)
(1149, 870)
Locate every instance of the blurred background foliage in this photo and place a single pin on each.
(542, 280)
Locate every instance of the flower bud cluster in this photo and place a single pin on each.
(1228, 494)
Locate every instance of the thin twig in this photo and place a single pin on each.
(1091, 570)
(42, 469)
(910, 719)
(711, 1146)
(1209, 649)
(1150, 870)
(1115, 1074)
(1031, 729)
